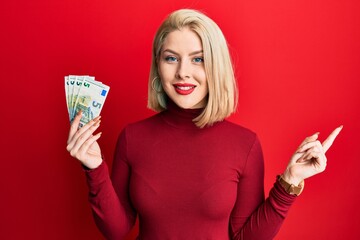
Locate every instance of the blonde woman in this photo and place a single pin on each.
(186, 172)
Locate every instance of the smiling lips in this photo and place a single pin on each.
(184, 89)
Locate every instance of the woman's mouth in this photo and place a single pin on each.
(184, 89)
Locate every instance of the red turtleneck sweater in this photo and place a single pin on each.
(186, 183)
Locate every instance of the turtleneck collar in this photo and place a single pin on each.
(179, 117)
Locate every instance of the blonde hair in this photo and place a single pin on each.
(222, 97)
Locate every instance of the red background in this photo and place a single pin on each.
(297, 65)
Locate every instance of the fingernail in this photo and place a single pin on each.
(79, 112)
(315, 134)
(96, 119)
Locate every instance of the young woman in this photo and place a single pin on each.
(186, 172)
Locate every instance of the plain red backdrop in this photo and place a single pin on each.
(297, 65)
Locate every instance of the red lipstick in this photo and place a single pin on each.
(184, 88)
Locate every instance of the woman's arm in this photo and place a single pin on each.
(109, 200)
(111, 209)
(254, 218)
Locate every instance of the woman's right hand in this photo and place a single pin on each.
(82, 144)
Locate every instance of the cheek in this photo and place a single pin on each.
(201, 76)
(165, 78)
(164, 72)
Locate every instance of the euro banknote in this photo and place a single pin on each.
(86, 94)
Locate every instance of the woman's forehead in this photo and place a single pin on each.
(182, 41)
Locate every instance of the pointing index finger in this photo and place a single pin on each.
(330, 139)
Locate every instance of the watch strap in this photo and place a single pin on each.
(291, 188)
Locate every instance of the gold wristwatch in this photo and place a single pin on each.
(291, 188)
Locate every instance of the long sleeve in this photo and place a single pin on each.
(252, 217)
(186, 183)
(109, 197)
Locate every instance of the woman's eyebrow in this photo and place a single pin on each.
(196, 52)
(192, 53)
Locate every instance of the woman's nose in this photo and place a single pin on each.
(184, 70)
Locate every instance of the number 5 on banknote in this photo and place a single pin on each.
(86, 94)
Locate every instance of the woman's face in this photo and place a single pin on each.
(181, 69)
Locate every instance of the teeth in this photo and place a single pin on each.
(185, 88)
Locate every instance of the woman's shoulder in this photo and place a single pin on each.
(231, 126)
(237, 131)
(148, 123)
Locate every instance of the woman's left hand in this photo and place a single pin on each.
(309, 159)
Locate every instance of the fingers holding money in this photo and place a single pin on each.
(82, 136)
(87, 155)
(85, 148)
(85, 98)
(75, 132)
(74, 126)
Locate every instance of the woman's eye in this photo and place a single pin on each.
(170, 59)
(198, 60)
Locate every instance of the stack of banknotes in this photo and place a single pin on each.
(86, 94)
